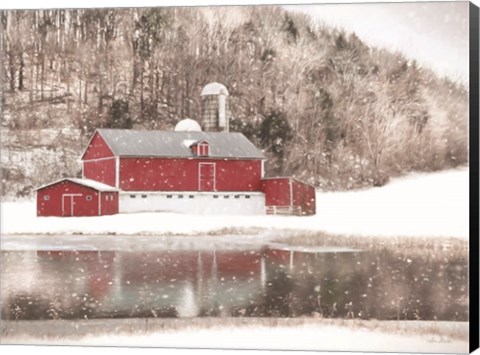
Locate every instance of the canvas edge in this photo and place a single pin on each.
(474, 177)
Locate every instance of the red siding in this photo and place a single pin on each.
(97, 148)
(100, 170)
(109, 203)
(277, 191)
(162, 174)
(81, 206)
(304, 196)
(99, 161)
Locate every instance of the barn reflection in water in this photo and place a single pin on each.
(260, 282)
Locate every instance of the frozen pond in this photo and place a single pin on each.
(198, 279)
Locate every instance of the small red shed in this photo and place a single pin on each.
(286, 195)
(76, 197)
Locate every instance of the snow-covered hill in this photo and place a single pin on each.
(427, 205)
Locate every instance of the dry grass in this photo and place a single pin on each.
(14, 331)
(411, 245)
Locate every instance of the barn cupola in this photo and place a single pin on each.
(201, 148)
(215, 107)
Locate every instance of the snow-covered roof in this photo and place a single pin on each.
(133, 143)
(214, 89)
(85, 182)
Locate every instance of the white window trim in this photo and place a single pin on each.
(203, 149)
(214, 175)
(117, 172)
(291, 192)
(71, 202)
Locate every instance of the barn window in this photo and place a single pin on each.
(144, 196)
(191, 196)
(180, 196)
(226, 196)
(132, 196)
(237, 196)
(169, 196)
(202, 149)
(247, 196)
(89, 197)
(46, 197)
(215, 196)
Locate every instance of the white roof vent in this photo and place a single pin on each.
(188, 125)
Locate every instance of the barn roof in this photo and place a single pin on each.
(134, 143)
(85, 182)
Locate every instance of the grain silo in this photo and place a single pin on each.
(215, 107)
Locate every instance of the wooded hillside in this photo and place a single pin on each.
(325, 107)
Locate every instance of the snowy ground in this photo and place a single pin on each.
(286, 334)
(428, 205)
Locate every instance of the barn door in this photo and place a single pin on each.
(68, 204)
(206, 177)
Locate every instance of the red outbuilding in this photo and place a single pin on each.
(286, 195)
(76, 197)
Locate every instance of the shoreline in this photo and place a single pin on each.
(431, 336)
(287, 239)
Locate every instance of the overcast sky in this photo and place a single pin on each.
(435, 34)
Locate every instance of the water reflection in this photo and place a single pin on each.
(264, 282)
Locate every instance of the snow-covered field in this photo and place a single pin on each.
(429, 205)
(290, 338)
(371, 336)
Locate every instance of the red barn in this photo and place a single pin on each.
(76, 197)
(173, 161)
(186, 170)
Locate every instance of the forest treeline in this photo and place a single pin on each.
(323, 105)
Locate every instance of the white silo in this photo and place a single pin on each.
(215, 107)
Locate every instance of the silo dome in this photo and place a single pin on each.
(214, 89)
(188, 125)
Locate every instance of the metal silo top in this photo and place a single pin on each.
(214, 89)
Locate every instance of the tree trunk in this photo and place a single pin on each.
(20, 74)
(80, 92)
(85, 95)
(141, 92)
(11, 68)
(42, 77)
